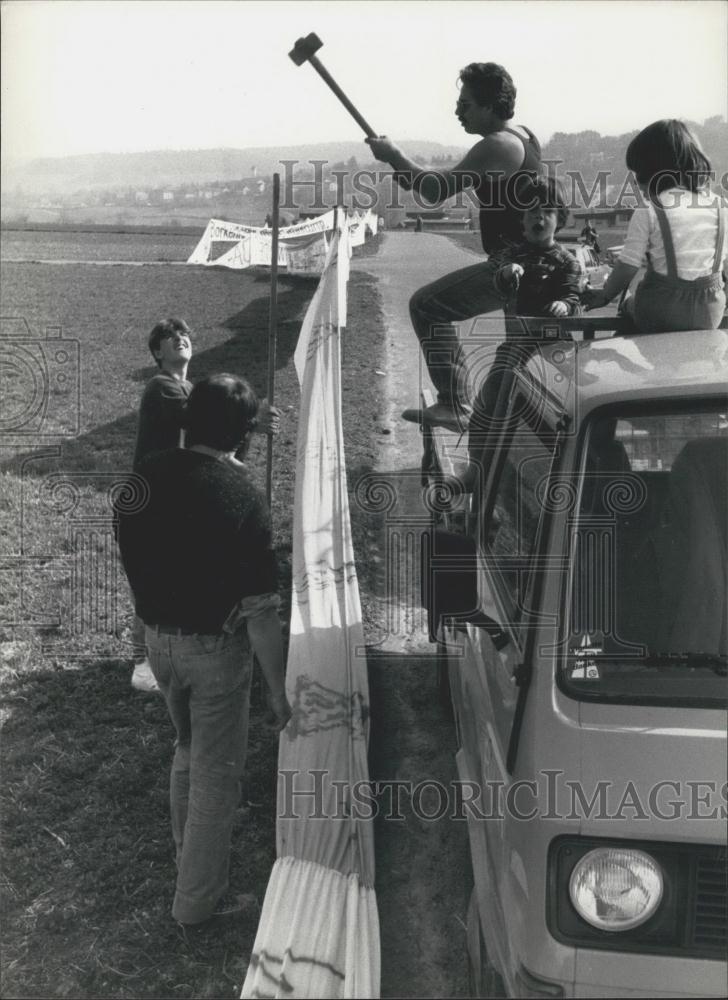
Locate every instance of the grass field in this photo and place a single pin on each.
(88, 861)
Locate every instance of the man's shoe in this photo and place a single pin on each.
(231, 904)
(143, 679)
(234, 903)
(440, 415)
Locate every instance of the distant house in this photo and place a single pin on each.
(167, 195)
(605, 217)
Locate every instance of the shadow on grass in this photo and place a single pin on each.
(247, 350)
(109, 446)
(56, 500)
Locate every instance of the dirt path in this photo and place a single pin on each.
(423, 866)
(405, 262)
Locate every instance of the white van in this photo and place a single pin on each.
(586, 637)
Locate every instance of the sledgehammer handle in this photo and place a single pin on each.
(329, 80)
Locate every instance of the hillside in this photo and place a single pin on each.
(591, 154)
(588, 152)
(69, 174)
(187, 187)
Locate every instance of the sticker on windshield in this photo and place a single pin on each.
(585, 668)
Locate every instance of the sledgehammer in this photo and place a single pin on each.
(305, 50)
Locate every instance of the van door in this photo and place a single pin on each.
(511, 527)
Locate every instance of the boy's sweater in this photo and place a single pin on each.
(550, 275)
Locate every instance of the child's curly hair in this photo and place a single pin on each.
(548, 191)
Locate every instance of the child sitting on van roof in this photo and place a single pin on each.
(537, 278)
(680, 233)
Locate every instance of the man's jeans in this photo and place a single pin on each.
(434, 310)
(205, 680)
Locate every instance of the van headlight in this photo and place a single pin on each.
(615, 889)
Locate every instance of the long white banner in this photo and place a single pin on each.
(218, 230)
(252, 244)
(318, 934)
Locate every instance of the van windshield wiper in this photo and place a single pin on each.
(717, 662)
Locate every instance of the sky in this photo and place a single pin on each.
(87, 76)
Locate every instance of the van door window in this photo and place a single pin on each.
(510, 531)
(648, 601)
(510, 542)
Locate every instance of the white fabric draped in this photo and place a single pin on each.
(252, 244)
(302, 248)
(319, 930)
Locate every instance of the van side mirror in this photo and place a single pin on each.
(449, 585)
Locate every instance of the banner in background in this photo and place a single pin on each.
(307, 255)
(302, 248)
(220, 232)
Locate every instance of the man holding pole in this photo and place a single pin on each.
(200, 562)
(497, 169)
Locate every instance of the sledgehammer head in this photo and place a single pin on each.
(305, 48)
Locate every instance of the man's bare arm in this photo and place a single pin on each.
(491, 155)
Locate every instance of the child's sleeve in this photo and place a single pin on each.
(504, 257)
(167, 411)
(637, 240)
(568, 286)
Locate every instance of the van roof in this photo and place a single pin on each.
(594, 372)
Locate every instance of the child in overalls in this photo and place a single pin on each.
(679, 233)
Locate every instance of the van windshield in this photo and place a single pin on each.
(647, 596)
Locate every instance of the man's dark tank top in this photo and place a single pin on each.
(501, 201)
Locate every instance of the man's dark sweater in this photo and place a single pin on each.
(200, 544)
(550, 275)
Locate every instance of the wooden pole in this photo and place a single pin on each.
(273, 326)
